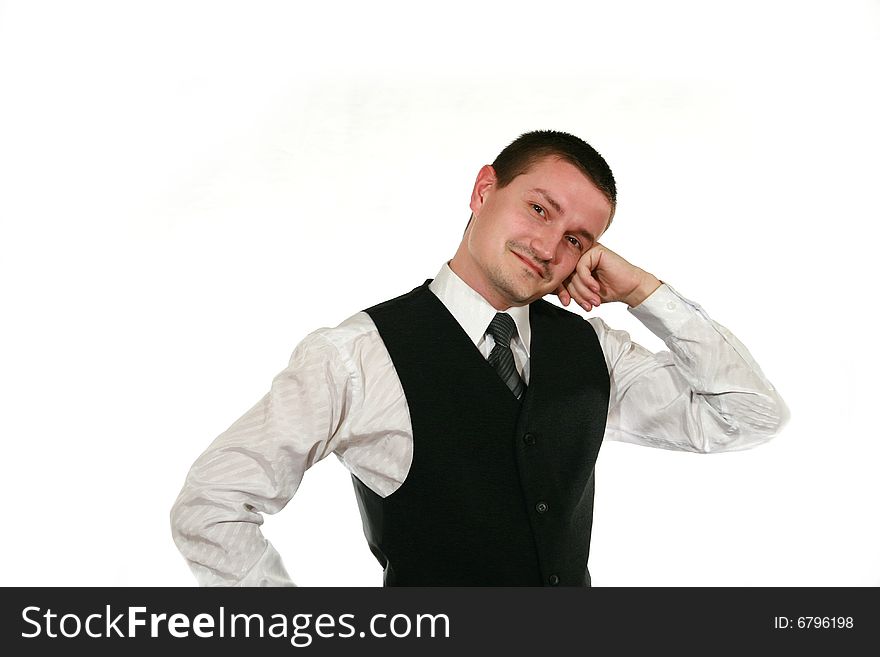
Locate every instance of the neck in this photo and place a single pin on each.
(467, 271)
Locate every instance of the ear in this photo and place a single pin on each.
(486, 180)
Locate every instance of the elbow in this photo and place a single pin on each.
(783, 416)
(775, 418)
(747, 427)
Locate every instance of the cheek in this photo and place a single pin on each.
(488, 231)
(567, 263)
(478, 239)
(568, 259)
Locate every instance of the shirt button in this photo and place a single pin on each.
(529, 439)
(671, 305)
(554, 580)
(541, 507)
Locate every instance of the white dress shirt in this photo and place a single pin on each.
(340, 394)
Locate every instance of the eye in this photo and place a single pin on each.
(537, 208)
(574, 241)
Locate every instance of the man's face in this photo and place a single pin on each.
(527, 237)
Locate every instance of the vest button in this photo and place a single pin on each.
(554, 580)
(529, 439)
(541, 507)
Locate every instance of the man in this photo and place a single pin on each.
(470, 411)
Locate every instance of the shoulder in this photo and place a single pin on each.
(414, 296)
(546, 311)
(351, 336)
(613, 342)
(356, 341)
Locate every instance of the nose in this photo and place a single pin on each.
(545, 245)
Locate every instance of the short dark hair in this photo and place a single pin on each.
(527, 149)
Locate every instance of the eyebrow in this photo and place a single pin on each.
(552, 203)
(550, 200)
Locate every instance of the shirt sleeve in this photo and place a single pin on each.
(256, 466)
(706, 394)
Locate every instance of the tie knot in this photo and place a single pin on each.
(502, 328)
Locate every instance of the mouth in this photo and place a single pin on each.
(539, 271)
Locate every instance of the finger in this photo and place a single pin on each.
(587, 277)
(592, 290)
(574, 291)
(583, 303)
(587, 303)
(583, 294)
(564, 296)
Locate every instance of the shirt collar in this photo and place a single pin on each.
(472, 311)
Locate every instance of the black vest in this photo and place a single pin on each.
(500, 491)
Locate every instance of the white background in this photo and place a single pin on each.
(188, 188)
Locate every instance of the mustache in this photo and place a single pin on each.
(527, 252)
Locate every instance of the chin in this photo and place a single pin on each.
(515, 291)
(526, 298)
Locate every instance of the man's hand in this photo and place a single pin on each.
(602, 275)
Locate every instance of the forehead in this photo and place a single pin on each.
(561, 173)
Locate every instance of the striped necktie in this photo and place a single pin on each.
(502, 328)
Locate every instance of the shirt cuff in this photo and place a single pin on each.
(665, 311)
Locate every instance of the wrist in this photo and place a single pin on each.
(643, 290)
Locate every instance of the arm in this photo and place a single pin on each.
(706, 394)
(256, 467)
